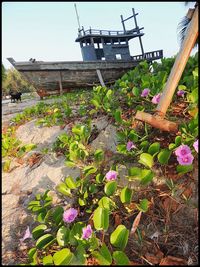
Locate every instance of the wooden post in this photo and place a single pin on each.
(140, 39)
(123, 23)
(100, 78)
(60, 83)
(179, 65)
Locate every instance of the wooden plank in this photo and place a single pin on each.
(60, 83)
(100, 78)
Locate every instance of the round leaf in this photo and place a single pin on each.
(44, 241)
(126, 195)
(63, 257)
(120, 258)
(146, 159)
(38, 231)
(62, 236)
(110, 188)
(164, 156)
(101, 218)
(154, 148)
(119, 237)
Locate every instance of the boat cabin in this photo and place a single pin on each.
(109, 45)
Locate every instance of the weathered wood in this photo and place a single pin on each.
(100, 78)
(60, 83)
(179, 64)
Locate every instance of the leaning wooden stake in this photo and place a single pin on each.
(157, 120)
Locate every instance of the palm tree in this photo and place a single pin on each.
(183, 24)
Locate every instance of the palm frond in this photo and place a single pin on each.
(182, 29)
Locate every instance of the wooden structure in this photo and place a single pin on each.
(106, 57)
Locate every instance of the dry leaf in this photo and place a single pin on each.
(170, 260)
(187, 192)
(170, 204)
(117, 219)
(136, 223)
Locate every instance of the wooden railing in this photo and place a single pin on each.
(107, 32)
(149, 56)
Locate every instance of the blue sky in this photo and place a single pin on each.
(47, 30)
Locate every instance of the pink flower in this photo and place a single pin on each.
(182, 151)
(181, 93)
(70, 215)
(196, 145)
(130, 145)
(26, 235)
(156, 99)
(111, 175)
(185, 160)
(145, 92)
(87, 232)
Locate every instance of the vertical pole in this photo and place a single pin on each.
(140, 39)
(79, 27)
(123, 23)
(60, 83)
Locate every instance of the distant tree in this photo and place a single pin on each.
(184, 23)
(3, 71)
(16, 83)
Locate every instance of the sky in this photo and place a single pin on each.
(47, 30)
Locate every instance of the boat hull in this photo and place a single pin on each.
(57, 77)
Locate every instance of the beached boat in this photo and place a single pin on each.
(106, 57)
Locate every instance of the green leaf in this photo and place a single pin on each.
(101, 219)
(126, 195)
(44, 241)
(193, 96)
(63, 257)
(143, 206)
(29, 147)
(146, 176)
(98, 155)
(178, 140)
(38, 231)
(70, 182)
(6, 165)
(182, 87)
(62, 236)
(120, 258)
(146, 159)
(80, 257)
(164, 156)
(134, 172)
(63, 189)
(57, 214)
(118, 115)
(110, 187)
(119, 237)
(106, 203)
(32, 253)
(47, 260)
(144, 145)
(181, 169)
(136, 91)
(122, 148)
(89, 170)
(82, 202)
(109, 94)
(103, 256)
(99, 178)
(154, 148)
(76, 232)
(95, 103)
(172, 146)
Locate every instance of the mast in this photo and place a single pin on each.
(79, 27)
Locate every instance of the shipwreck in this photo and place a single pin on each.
(106, 57)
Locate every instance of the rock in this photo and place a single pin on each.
(41, 136)
(106, 139)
